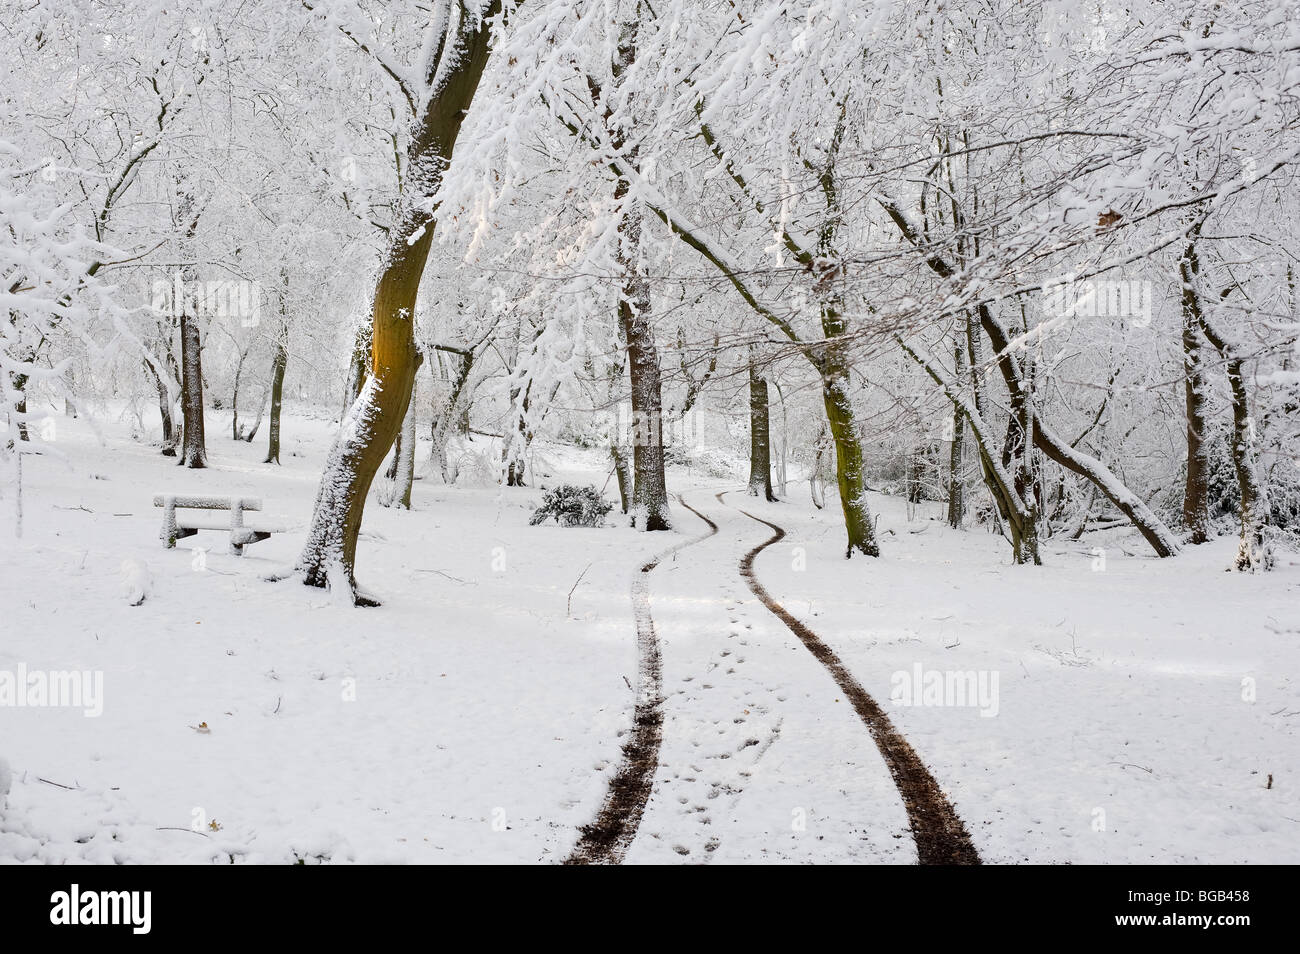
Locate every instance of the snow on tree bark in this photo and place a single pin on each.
(458, 50)
(760, 442)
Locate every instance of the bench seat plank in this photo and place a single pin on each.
(192, 502)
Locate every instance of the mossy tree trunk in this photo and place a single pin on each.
(376, 416)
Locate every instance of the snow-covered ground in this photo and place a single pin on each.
(477, 715)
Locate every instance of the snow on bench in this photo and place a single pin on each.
(179, 524)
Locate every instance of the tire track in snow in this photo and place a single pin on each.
(606, 840)
(940, 836)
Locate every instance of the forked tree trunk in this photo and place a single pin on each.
(372, 424)
(760, 439)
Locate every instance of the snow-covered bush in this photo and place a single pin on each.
(572, 506)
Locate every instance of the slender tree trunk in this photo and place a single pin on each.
(782, 453)
(235, 434)
(956, 491)
(760, 439)
(1254, 551)
(404, 453)
(169, 434)
(368, 431)
(1148, 524)
(619, 456)
(277, 399)
(1196, 488)
(358, 367)
(401, 469)
(1019, 513)
(815, 489)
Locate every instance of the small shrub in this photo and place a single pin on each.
(572, 506)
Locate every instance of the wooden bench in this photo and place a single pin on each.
(177, 524)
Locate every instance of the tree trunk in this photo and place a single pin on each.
(514, 451)
(649, 487)
(1196, 490)
(277, 398)
(1148, 524)
(619, 455)
(235, 433)
(833, 365)
(1018, 513)
(358, 368)
(956, 491)
(783, 449)
(760, 441)
(169, 435)
(194, 453)
(369, 429)
(404, 455)
(849, 475)
(1254, 551)
(401, 469)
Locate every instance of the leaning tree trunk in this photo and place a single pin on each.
(760, 439)
(1254, 551)
(1133, 507)
(1018, 513)
(165, 403)
(1196, 487)
(372, 424)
